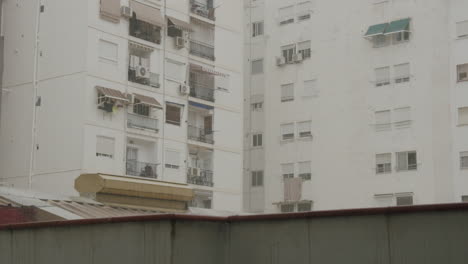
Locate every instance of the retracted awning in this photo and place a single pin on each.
(375, 30)
(179, 24)
(397, 26)
(204, 106)
(113, 94)
(148, 100)
(200, 69)
(147, 13)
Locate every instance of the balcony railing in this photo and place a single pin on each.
(202, 9)
(141, 121)
(200, 134)
(201, 91)
(200, 177)
(142, 169)
(202, 50)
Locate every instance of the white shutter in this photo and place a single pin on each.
(382, 75)
(402, 160)
(286, 12)
(310, 88)
(402, 114)
(105, 146)
(462, 29)
(175, 70)
(287, 91)
(304, 7)
(202, 32)
(303, 45)
(287, 129)
(305, 167)
(287, 168)
(382, 117)
(108, 50)
(257, 66)
(304, 128)
(173, 157)
(463, 116)
(383, 158)
(402, 70)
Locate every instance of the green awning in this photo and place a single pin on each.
(376, 30)
(398, 26)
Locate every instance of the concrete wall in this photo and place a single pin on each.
(385, 238)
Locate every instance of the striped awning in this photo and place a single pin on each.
(141, 46)
(200, 69)
(179, 24)
(147, 13)
(148, 100)
(113, 94)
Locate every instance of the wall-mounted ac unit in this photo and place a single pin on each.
(142, 72)
(180, 42)
(126, 11)
(280, 61)
(184, 89)
(297, 57)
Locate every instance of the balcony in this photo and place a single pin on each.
(202, 50)
(142, 122)
(200, 134)
(201, 91)
(142, 169)
(203, 9)
(200, 177)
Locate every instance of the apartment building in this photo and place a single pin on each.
(149, 89)
(354, 104)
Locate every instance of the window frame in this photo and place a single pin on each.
(463, 160)
(290, 136)
(409, 167)
(465, 72)
(383, 167)
(287, 52)
(287, 174)
(257, 140)
(173, 122)
(256, 178)
(100, 153)
(306, 176)
(167, 162)
(287, 98)
(258, 28)
(308, 134)
(252, 66)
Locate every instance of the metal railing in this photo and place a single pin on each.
(141, 121)
(200, 134)
(202, 50)
(200, 177)
(202, 9)
(201, 91)
(142, 169)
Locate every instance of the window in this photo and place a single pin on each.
(305, 170)
(402, 117)
(464, 160)
(304, 10)
(310, 88)
(464, 198)
(380, 41)
(383, 120)
(382, 76)
(144, 30)
(173, 114)
(175, 70)
(257, 178)
(304, 207)
(288, 52)
(287, 170)
(140, 109)
(383, 163)
(286, 15)
(401, 36)
(287, 92)
(404, 200)
(462, 72)
(104, 147)
(304, 129)
(172, 159)
(257, 106)
(402, 73)
(400, 30)
(108, 51)
(287, 131)
(406, 161)
(462, 29)
(257, 28)
(463, 116)
(257, 66)
(304, 49)
(287, 208)
(257, 140)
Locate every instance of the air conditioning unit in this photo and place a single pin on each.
(297, 57)
(184, 89)
(126, 11)
(280, 61)
(142, 72)
(180, 42)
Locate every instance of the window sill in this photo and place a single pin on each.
(173, 123)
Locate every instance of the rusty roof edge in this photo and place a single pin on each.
(245, 218)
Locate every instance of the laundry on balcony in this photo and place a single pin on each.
(147, 100)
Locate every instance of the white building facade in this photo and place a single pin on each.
(142, 88)
(354, 104)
